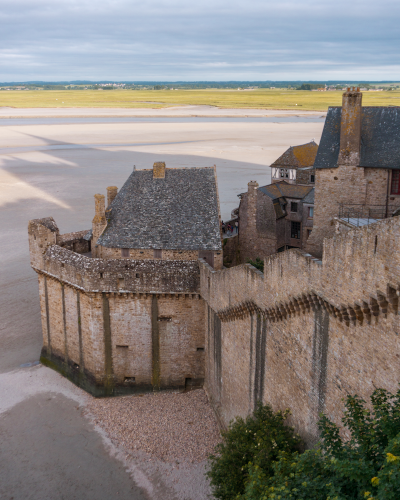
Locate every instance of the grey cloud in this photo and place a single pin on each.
(208, 40)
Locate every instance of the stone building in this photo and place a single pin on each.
(278, 216)
(357, 166)
(296, 165)
(164, 213)
(274, 218)
(127, 315)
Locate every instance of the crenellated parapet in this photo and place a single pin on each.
(357, 280)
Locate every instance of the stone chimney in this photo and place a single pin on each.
(350, 128)
(112, 192)
(99, 221)
(252, 187)
(159, 170)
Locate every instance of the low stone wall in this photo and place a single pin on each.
(305, 333)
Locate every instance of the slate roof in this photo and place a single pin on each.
(298, 156)
(179, 212)
(282, 188)
(380, 138)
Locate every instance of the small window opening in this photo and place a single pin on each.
(34, 236)
(295, 230)
(122, 346)
(164, 318)
(284, 173)
(200, 349)
(101, 275)
(395, 186)
(129, 380)
(310, 212)
(137, 275)
(293, 206)
(312, 178)
(62, 264)
(124, 252)
(376, 243)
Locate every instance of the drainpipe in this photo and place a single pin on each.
(387, 194)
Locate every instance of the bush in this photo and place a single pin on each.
(258, 439)
(258, 264)
(365, 467)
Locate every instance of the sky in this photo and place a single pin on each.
(207, 40)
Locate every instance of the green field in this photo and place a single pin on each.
(262, 99)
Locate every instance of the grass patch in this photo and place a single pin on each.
(257, 99)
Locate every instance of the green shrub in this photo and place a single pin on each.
(258, 263)
(257, 439)
(367, 466)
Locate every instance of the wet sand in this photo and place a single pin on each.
(59, 169)
(170, 111)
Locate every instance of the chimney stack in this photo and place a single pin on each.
(159, 170)
(100, 209)
(112, 192)
(350, 128)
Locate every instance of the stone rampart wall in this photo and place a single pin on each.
(305, 333)
(117, 326)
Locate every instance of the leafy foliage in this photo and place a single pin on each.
(258, 263)
(367, 466)
(257, 440)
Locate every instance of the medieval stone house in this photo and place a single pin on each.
(122, 312)
(274, 218)
(278, 216)
(357, 166)
(296, 165)
(164, 213)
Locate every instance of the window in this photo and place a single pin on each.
(310, 212)
(125, 252)
(295, 233)
(284, 173)
(395, 187)
(157, 254)
(293, 206)
(312, 178)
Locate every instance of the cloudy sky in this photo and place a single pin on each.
(172, 40)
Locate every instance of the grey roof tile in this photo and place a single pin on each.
(380, 138)
(179, 212)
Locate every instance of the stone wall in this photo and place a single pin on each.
(257, 234)
(306, 333)
(148, 253)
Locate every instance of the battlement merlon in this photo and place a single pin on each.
(42, 233)
(119, 276)
(360, 271)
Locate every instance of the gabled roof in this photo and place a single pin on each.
(282, 188)
(298, 156)
(380, 138)
(178, 212)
